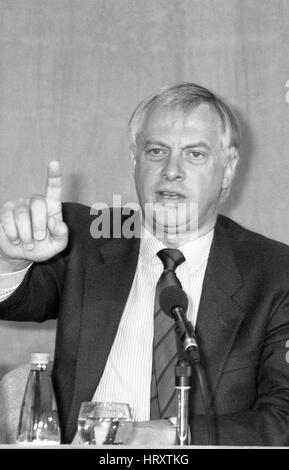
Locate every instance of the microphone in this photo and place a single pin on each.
(174, 302)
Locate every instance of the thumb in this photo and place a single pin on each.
(57, 228)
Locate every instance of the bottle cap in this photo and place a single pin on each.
(40, 358)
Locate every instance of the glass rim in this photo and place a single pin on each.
(105, 409)
(105, 403)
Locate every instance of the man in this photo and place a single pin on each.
(184, 144)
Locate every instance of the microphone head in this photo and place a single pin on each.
(171, 297)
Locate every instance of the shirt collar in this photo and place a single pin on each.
(196, 251)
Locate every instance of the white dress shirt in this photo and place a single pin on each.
(127, 374)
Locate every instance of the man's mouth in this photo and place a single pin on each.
(170, 196)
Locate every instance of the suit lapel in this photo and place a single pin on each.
(221, 307)
(106, 288)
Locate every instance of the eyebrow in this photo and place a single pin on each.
(155, 142)
(199, 143)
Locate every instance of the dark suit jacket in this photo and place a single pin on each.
(242, 325)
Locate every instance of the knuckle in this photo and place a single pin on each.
(21, 204)
(20, 201)
(6, 220)
(11, 236)
(38, 212)
(10, 231)
(21, 210)
(6, 217)
(38, 205)
(7, 206)
(36, 199)
(55, 183)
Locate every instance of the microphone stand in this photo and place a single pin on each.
(185, 333)
(183, 379)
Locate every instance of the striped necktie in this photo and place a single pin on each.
(163, 403)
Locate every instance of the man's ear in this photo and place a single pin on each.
(230, 169)
(229, 173)
(133, 160)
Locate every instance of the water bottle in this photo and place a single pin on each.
(38, 421)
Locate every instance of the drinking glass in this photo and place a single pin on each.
(104, 423)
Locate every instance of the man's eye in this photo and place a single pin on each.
(195, 155)
(156, 152)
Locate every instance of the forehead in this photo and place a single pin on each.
(200, 122)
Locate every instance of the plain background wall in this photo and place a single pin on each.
(72, 71)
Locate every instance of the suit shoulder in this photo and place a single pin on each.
(74, 212)
(91, 224)
(254, 247)
(81, 216)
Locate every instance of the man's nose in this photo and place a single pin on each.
(173, 168)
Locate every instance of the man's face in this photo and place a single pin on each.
(180, 159)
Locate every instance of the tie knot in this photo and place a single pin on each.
(171, 258)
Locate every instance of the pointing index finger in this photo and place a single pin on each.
(53, 189)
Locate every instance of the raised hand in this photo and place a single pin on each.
(33, 229)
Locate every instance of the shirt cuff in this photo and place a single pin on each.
(10, 281)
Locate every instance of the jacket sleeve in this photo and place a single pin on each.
(37, 296)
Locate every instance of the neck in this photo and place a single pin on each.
(177, 240)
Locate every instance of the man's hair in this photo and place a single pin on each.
(188, 96)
